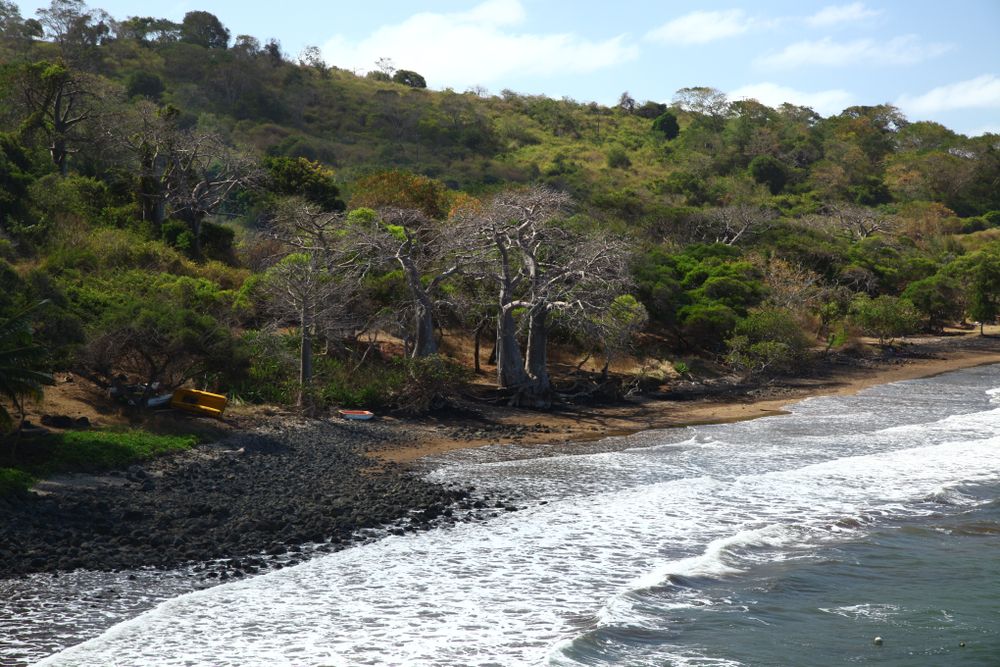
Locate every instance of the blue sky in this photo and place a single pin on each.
(936, 61)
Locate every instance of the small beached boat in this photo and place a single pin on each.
(199, 402)
(356, 414)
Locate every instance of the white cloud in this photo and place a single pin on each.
(835, 14)
(468, 48)
(906, 50)
(825, 103)
(981, 92)
(701, 27)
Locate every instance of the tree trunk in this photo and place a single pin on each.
(510, 367)
(425, 344)
(479, 331)
(305, 367)
(536, 359)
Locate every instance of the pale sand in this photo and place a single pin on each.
(588, 423)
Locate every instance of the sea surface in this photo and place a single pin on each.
(791, 541)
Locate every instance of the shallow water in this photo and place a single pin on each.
(791, 540)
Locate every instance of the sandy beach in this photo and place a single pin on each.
(924, 356)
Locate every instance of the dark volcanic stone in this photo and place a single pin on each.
(291, 486)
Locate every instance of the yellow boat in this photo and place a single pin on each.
(200, 402)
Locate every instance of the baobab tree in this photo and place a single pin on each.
(185, 174)
(428, 251)
(544, 269)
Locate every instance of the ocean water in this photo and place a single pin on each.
(785, 541)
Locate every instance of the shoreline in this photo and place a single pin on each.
(334, 482)
(928, 356)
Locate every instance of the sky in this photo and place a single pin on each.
(937, 61)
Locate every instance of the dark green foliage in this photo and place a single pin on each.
(408, 78)
(936, 297)
(178, 235)
(15, 179)
(144, 83)
(985, 302)
(298, 177)
(617, 158)
(650, 110)
(14, 481)
(699, 293)
(20, 358)
(884, 317)
(769, 171)
(666, 124)
(376, 75)
(766, 342)
(205, 30)
(217, 241)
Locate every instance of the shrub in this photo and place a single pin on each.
(767, 342)
(618, 159)
(884, 317)
(666, 125)
(14, 481)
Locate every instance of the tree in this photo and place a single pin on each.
(427, 251)
(189, 172)
(205, 30)
(543, 269)
(301, 286)
(769, 171)
(666, 124)
(985, 305)
(736, 223)
(170, 331)
(298, 177)
(60, 102)
(626, 102)
(709, 106)
(884, 317)
(312, 56)
(398, 188)
(765, 342)
(402, 112)
(857, 223)
(18, 359)
(145, 83)
(937, 297)
(408, 78)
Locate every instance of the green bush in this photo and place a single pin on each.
(884, 317)
(618, 159)
(176, 234)
(666, 125)
(13, 481)
(766, 342)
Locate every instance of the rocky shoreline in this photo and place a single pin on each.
(241, 506)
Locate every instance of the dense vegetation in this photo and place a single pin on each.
(201, 208)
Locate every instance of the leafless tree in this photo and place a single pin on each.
(428, 252)
(857, 223)
(734, 224)
(547, 270)
(151, 353)
(320, 236)
(298, 99)
(302, 290)
(231, 81)
(191, 173)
